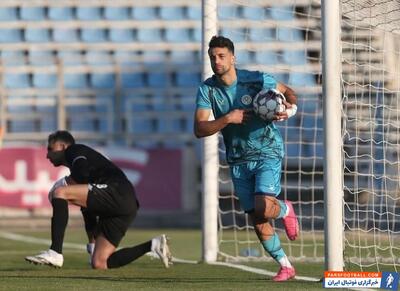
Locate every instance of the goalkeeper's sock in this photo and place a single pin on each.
(59, 223)
(284, 209)
(127, 255)
(273, 247)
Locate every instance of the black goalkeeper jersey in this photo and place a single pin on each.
(89, 166)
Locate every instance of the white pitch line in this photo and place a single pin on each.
(31, 239)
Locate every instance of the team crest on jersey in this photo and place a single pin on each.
(246, 99)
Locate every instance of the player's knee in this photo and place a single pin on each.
(266, 207)
(99, 264)
(59, 193)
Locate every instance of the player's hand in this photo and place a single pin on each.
(290, 111)
(239, 116)
(59, 183)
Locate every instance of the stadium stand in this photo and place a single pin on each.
(145, 59)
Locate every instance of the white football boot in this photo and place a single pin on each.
(49, 257)
(159, 245)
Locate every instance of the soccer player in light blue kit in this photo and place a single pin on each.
(254, 147)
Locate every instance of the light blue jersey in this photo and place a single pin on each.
(257, 139)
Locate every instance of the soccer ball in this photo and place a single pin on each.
(267, 103)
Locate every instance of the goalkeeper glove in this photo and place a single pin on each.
(291, 111)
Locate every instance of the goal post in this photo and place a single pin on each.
(342, 164)
(333, 170)
(210, 162)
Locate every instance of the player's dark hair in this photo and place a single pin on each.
(61, 135)
(220, 41)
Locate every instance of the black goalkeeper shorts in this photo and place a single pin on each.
(116, 206)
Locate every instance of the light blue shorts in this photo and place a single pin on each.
(256, 177)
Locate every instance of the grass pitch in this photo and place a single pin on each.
(143, 274)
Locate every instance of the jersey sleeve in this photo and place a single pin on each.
(269, 82)
(202, 99)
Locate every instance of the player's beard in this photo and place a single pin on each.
(57, 158)
(221, 71)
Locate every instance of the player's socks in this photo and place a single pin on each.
(273, 247)
(283, 210)
(59, 223)
(127, 255)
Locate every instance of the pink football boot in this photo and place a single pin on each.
(290, 222)
(284, 274)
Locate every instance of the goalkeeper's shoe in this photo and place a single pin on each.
(160, 246)
(290, 222)
(49, 257)
(284, 274)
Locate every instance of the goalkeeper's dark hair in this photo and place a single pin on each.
(220, 41)
(61, 135)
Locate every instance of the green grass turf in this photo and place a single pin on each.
(144, 274)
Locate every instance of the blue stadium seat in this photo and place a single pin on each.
(289, 34)
(48, 118)
(254, 13)
(10, 35)
(12, 58)
(234, 34)
(301, 79)
(70, 57)
(65, 35)
(153, 56)
(244, 57)
(133, 80)
(102, 80)
(194, 12)
(281, 77)
(228, 12)
(16, 80)
(32, 13)
(261, 34)
(157, 79)
(8, 13)
(297, 57)
(60, 13)
(188, 79)
(93, 35)
(125, 57)
(282, 12)
(172, 12)
(37, 35)
(116, 13)
(98, 58)
(88, 13)
(182, 57)
(121, 35)
(75, 81)
(177, 35)
(149, 35)
(196, 34)
(20, 126)
(77, 123)
(144, 13)
(266, 57)
(44, 80)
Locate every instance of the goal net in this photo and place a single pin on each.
(283, 38)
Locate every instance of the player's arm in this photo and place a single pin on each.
(204, 127)
(290, 103)
(80, 170)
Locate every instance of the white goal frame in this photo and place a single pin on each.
(333, 183)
